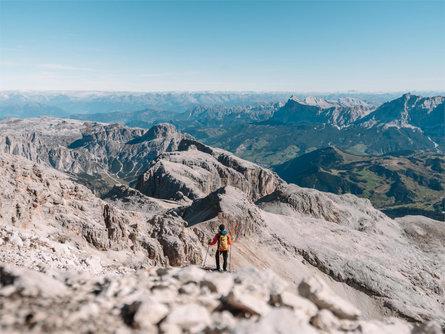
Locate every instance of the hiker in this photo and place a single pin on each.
(224, 241)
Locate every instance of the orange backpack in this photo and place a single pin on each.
(223, 241)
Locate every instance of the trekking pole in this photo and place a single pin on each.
(230, 258)
(205, 259)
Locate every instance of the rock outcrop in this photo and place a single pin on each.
(196, 170)
(130, 199)
(227, 205)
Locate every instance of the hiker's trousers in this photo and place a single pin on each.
(217, 256)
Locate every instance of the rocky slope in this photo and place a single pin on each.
(179, 300)
(98, 155)
(53, 225)
(313, 224)
(42, 210)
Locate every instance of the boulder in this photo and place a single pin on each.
(326, 321)
(316, 290)
(220, 283)
(243, 299)
(149, 313)
(28, 283)
(190, 274)
(277, 321)
(189, 317)
(303, 308)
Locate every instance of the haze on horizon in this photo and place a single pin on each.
(317, 46)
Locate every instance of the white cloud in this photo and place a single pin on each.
(165, 74)
(9, 63)
(66, 67)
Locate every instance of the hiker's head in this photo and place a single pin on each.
(221, 227)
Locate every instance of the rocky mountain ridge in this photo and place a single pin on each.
(97, 154)
(427, 114)
(340, 113)
(383, 266)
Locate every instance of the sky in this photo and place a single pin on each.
(301, 46)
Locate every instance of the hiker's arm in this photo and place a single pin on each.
(230, 240)
(214, 240)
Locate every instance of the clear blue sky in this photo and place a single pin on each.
(223, 45)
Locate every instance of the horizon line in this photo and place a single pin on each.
(403, 91)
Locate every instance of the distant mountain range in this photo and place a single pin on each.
(271, 132)
(301, 126)
(61, 104)
(340, 113)
(425, 113)
(24, 104)
(268, 133)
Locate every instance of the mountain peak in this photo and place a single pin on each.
(163, 130)
(294, 99)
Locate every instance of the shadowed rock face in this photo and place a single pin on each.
(196, 170)
(126, 198)
(99, 155)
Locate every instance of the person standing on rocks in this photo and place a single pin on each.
(224, 242)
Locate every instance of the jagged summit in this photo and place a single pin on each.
(342, 112)
(410, 111)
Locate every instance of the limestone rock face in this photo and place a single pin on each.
(227, 205)
(340, 113)
(95, 153)
(59, 213)
(292, 200)
(196, 170)
(178, 246)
